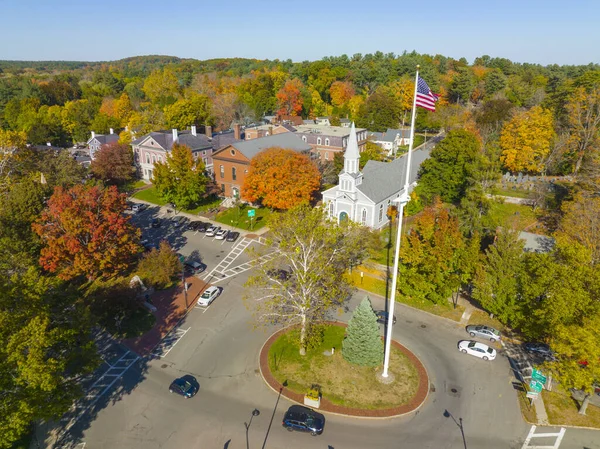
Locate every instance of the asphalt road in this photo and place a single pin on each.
(220, 349)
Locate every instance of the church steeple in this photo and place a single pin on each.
(352, 155)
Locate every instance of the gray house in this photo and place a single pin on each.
(97, 140)
(364, 197)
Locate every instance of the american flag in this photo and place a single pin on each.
(425, 98)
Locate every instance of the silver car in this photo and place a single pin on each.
(481, 331)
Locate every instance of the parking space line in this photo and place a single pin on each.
(178, 334)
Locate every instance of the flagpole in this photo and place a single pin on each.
(402, 201)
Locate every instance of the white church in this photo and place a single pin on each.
(364, 197)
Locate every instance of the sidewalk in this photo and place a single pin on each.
(171, 308)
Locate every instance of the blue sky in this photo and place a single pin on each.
(544, 32)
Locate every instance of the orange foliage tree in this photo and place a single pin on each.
(281, 179)
(341, 92)
(289, 98)
(86, 233)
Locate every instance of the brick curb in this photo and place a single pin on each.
(415, 403)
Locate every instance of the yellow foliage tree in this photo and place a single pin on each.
(354, 105)
(525, 140)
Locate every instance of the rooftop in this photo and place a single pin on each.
(290, 141)
(325, 130)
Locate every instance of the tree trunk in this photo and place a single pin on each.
(303, 336)
(584, 404)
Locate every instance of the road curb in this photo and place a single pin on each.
(414, 405)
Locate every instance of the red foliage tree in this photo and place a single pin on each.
(85, 232)
(113, 163)
(281, 179)
(289, 98)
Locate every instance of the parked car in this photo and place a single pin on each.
(202, 227)
(155, 223)
(194, 267)
(221, 234)
(210, 232)
(185, 386)
(136, 207)
(482, 331)
(180, 220)
(382, 317)
(232, 236)
(303, 419)
(477, 349)
(208, 296)
(541, 349)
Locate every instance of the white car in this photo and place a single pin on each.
(210, 232)
(208, 296)
(221, 234)
(477, 349)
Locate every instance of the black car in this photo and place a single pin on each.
(232, 236)
(303, 419)
(155, 223)
(382, 317)
(202, 227)
(185, 386)
(541, 349)
(194, 225)
(194, 267)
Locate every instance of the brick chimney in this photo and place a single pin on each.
(237, 131)
(208, 131)
(193, 130)
(175, 135)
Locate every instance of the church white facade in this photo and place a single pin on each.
(364, 197)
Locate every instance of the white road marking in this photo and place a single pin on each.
(164, 347)
(559, 437)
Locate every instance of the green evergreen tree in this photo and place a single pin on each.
(363, 344)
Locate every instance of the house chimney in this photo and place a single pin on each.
(48, 144)
(237, 131)
(112, 131)
(93, 134)
(208, 131)
(174, 135)
(193, 130)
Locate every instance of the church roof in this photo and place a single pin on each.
(384, 179)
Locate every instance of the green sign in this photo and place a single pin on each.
(537, 375)
(181, 258)
(251, 213)
(535, 386)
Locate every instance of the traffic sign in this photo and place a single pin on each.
(537, 375)
(536, 386)
(251, 213)
(532, 394)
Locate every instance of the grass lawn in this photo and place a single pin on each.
(372, 281)
(527, 410)
(208, 204)
(150, 195)
(563, 410)
(419, 140)
(238, 217)
(518, 216)
(341, 382)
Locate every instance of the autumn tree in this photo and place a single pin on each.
(113, 163)
(194, 109)
(181, 178)
(581, 223)
(85, 233)
(161, 87)
(160, 266)
(372, 152)
(46, 348)
(12, 146)
(436, 259)
(341, 92)
(525, 140)
(281, 179)
(403, 90)
(446, 173)
(289, 98)
(380, 111)
(315, 252)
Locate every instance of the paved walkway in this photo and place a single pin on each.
(171, 308)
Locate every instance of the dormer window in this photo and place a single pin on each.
(327, 142)
(318, 141)
(304, 139)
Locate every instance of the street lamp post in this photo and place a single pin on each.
(255, 412)
(402, 200)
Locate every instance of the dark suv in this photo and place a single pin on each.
(303, 419)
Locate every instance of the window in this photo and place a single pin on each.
(153, 159)
(326, 156)
(380, 212)
(232, 152)
(327, 142)
(222, 188)
(204, 153)
(304, 139)
(147, 158)
(222, 170)
(318, 141)
(331, 209)
(233, 173)
(246, 172)
(205, 161)
(363, 217)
